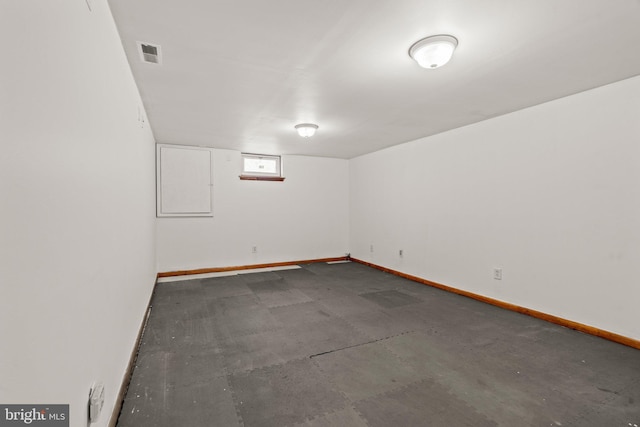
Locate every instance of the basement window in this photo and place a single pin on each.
(261, 167)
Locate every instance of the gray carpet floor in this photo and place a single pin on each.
(348, 345)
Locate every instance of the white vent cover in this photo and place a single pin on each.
(150, 53)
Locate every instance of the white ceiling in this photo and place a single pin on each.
(239, 74)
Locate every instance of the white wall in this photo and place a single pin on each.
(551, 194)
(304, 217)
(77, 223)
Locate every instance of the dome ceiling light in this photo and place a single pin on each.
(306, 130)
(433, 52)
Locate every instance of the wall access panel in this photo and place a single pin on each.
(184, 181)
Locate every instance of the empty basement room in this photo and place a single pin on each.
(340, 213)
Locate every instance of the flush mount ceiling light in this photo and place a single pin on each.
(433, 52)
(306, 130)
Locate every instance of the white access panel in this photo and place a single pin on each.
(184, 180)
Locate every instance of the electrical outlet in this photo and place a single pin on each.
(401, 253)
(370, 248)
(254, 249)
(497, 274)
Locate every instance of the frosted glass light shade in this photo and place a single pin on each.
(306, 130)
(433, 52)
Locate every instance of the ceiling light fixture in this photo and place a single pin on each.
(433, 52)
(306, 130)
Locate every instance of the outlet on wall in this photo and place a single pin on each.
(254, 249)
(497, 274)
(370, 248)
(400, 253)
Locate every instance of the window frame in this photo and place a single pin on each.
(261, 176)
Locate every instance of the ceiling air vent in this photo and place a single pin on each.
(150, 53)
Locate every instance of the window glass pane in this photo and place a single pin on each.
(260, 165)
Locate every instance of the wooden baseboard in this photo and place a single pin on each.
(115, 414)
(247, 267)
(611, 336)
